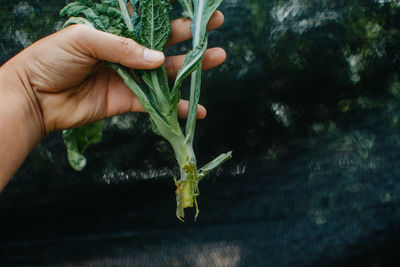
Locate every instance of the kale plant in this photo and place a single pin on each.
(149, 25)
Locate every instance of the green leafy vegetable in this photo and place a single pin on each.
(150, 26)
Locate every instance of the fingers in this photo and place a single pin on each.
(180, 28)
(113, 48)
(212, 58)
(183, 107)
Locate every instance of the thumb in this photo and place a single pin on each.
(114, 48)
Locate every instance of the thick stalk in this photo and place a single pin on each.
(184, 152)
(187, 186)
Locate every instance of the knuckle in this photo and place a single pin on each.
(78, 33)
(124, 44)
(127, 46)
(129, 50)
(78, 29)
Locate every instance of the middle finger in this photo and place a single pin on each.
(212, 58)
(180, 28)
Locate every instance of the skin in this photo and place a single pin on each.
(61, 82)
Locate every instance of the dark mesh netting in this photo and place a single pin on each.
(309, 102)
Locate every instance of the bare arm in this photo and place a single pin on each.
(19, 133)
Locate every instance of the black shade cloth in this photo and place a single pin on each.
(308, 100)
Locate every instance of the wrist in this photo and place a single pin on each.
(20, 125)
(19, 105)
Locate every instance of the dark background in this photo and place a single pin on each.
(308, 100)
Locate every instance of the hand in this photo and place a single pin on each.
(72, 84)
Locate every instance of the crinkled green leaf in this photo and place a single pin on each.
(88, 3)
(154, 23)
(74, 20)
(78, 140)
(154, 33)
(111, 3)
(79, 9)
(105, 16)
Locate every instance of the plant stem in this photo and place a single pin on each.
(187, 186)
(195, 84)
(125, 14)
(162, 101)
(184, 152)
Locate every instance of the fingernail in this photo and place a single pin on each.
(152, 55)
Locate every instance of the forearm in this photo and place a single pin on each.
(20, 128)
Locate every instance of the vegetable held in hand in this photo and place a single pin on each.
(149, 25)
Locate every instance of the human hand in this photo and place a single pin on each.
(70, 85)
